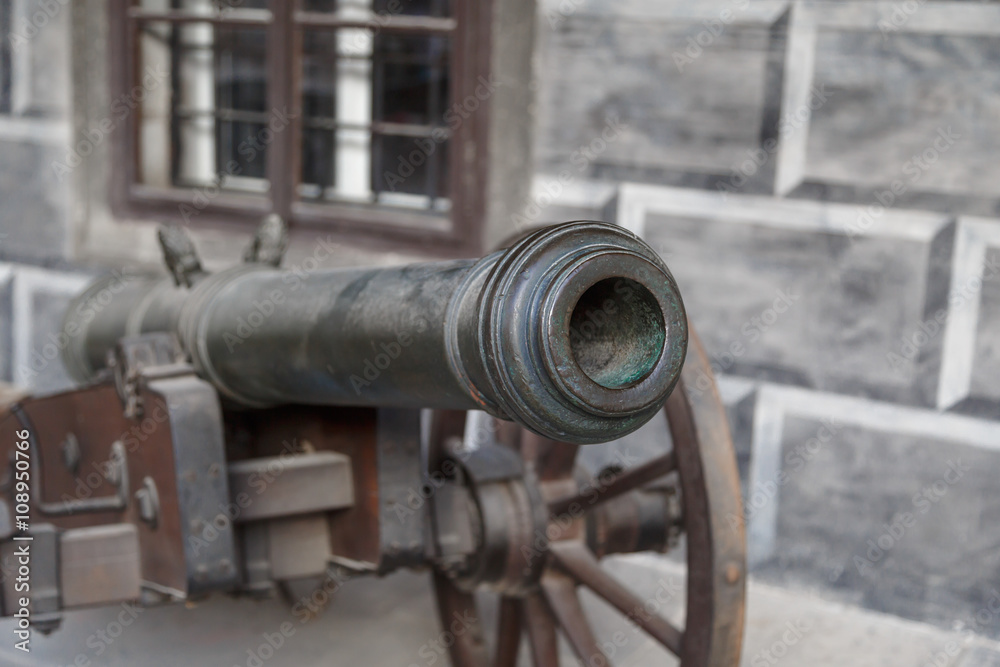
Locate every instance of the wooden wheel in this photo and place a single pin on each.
(702, 462)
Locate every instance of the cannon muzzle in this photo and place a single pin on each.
(577, 332)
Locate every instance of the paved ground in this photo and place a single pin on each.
(391, 622)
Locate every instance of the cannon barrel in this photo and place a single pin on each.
(577, 332)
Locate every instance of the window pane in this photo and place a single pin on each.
(204, 109)
(242, 131)
(241, 4)
(439, 8)
(414, 78)
(404, 165)
(319, 99)
(327, 5)
(199, 6)
(374, 128)
(414, 7)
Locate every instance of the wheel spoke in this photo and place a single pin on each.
(577, 560)
(560, 593)
(469, 648)
(541, 630)
(508, 633)
(623, 483)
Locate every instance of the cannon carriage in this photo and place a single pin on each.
(237, 431)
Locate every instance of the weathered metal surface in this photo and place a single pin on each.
(512, 515)
(199, 455)
(404, 517)
(180, 255)
(453, 524)
(177, 446)
(257, 578)
(292, 484)
(95, 416)
(269, 243)
(115, 472)
(299, 546)
(41, 556)
(131, 356)
(6, 520)
(577, 332)
(641, 520)
(99, 565)
(352, 432)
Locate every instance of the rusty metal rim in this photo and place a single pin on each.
(559, 359)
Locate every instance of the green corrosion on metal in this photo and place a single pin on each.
(617, 332)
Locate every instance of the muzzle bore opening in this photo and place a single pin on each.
(617, 332)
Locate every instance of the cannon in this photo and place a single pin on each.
(250, 429)
(509, 334)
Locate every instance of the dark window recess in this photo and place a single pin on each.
(412, 91)
(325, 111)
(319, 101)
(405, 133)
(241, 129)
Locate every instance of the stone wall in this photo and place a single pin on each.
(822, 179)
(35, 215)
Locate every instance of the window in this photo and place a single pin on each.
(335, 113)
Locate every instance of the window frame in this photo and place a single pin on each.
(457, 233)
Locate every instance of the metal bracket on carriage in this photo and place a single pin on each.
(115, 472)
(127, 493)
(151, 356)
(649, 518)
(493, 526)
(281, 504)
(484, 516)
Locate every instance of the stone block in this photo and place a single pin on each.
(906, 112)
(42, 81)
(877, 505)
(805, 293)
(970, 372)
(40, 300)
(36, 203)
(682, 97)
